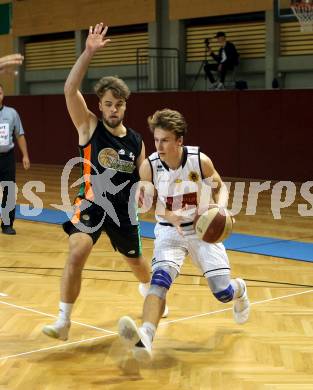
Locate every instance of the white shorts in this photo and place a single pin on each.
(171, 248)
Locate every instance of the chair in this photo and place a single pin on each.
(230, 79)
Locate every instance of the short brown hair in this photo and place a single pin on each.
(170, 120)
(117, 86)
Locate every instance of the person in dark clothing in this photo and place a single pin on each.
(226, 59)
(110, 150)
(10, 128)
(11, 132)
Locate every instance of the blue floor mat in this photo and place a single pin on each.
(44, 215)
(268, 246)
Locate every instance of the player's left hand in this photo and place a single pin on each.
(26, 163)
(96, 38)
(9, 63)
(223, 208)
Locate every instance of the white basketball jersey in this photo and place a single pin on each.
(180, 187)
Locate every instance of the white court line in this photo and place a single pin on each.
(230, 308)
(53, 316)
(3, 295)
(162, 324)
(57, 346)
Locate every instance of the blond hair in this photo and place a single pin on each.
(169, 120)
(116, 85)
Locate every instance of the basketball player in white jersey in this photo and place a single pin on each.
(178, 173)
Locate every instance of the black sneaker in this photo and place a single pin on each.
(8, 230)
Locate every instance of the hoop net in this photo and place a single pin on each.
(303, 10)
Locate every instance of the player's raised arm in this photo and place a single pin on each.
(84, 120)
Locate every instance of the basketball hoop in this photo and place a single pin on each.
(303, 10)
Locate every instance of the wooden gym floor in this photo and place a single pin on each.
(197, 347)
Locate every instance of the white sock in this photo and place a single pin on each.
(149, 329)
(65, 310)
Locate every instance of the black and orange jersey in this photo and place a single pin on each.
(109, 168)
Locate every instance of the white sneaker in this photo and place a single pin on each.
(219, 86)
(58, 330)
(136, 339)
(241, 308)
(143, 291)
(213, 86)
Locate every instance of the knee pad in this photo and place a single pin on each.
(161, 281)
(225, 295)
(161, 278)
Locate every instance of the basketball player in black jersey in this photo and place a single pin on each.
(112, 154)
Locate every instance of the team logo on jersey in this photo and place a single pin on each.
(109, 158)
(178, 181)
(160, 168)
(193, 176)
(121, 152)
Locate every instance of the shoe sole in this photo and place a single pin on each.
(130, 336)
(128, 332)
(50, 332)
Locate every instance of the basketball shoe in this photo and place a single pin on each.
(135, 339)
(57, 330)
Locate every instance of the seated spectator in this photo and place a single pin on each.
(227, 58)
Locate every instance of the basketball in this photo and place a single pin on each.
(215, 225)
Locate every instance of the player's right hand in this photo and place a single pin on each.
(175, 218)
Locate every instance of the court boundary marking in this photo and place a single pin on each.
(64, 345)
(53, 316)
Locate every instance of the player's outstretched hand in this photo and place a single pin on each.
(96, 38)
(9, 63)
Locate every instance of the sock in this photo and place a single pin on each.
(149, 329)
(65, 310)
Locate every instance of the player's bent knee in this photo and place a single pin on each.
(162, 278)
(226, 295)
(161, 282)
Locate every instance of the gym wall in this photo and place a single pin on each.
(248, 134)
